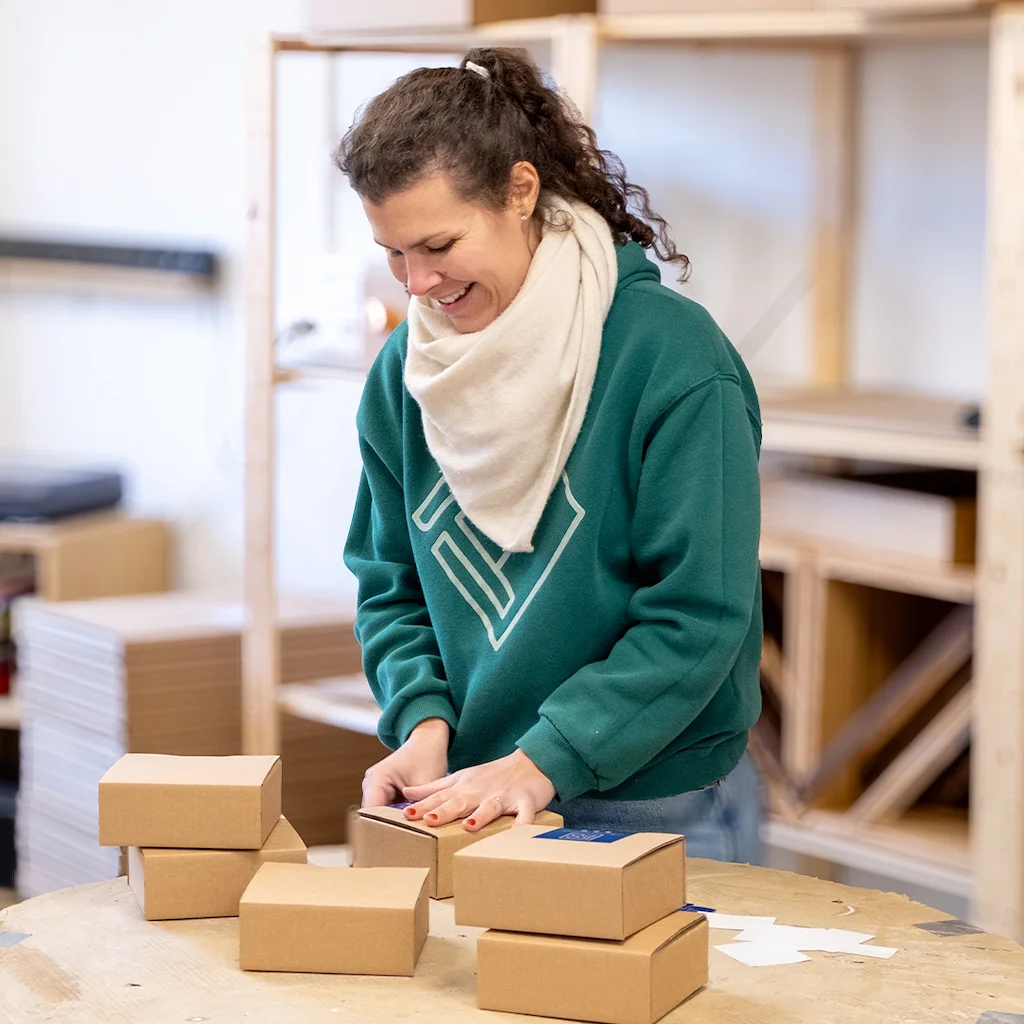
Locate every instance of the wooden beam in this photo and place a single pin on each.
(260, 642)
(997, 783)
(945, 650)
(804, 622)
(924, 759)
(574, 56)
(836, 86)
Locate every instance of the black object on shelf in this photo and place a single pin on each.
(8, 799)
(195, 262)
(39, 493)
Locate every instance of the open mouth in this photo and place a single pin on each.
(455, 301)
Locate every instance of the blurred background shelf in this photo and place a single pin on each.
(885, 426)
(347, 703)
(925, 848)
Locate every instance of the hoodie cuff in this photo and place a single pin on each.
(548, 749)
(419, 709)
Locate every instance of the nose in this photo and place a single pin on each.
(420, 278)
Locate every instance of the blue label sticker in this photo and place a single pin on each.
(583, 835)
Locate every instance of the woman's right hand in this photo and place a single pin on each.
(422, 759)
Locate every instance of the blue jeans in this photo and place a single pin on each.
(720, 822)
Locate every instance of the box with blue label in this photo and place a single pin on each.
(589, 884)
(635, 981)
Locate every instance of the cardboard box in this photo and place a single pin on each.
(636, 981)
(927, 514)
(591, 884)
(383, 837)
(343, 15)
(300, 917)
(178, 884)
(190, 803)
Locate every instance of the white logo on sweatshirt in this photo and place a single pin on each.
(498, 585)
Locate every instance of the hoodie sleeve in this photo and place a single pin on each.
(400, 653)
(695, 542)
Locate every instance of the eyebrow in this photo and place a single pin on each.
(416, 245)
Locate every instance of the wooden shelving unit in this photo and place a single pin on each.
(823, 586)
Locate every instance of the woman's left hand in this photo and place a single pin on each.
(510, 785)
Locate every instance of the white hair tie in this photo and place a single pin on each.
(482, 72)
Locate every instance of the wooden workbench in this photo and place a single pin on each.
(90, 958)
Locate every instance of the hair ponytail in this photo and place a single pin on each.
(475, 123)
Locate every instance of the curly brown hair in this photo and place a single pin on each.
(476, 128)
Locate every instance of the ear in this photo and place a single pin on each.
(523, 188)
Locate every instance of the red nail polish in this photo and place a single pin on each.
(471, 821)
(431, 815)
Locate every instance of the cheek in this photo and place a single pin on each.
(397, 267)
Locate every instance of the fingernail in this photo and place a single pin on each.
(431, 815)
(471, 821)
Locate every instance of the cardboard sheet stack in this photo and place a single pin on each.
(206, 838)
(581, 924)
(162, 674)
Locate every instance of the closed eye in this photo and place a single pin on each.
(443, 248)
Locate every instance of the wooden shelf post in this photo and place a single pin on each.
(836, 87)
(260, 643)
(997, 781)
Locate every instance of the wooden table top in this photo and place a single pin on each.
(90, 958)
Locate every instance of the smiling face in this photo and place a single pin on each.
(468, 260)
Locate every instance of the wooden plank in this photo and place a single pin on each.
(835, 130)
(929, 754)
(945, 650)
(935, 857)
(887, 426)
(997, 789)
(574, 55)
(804, 618)
(260, 642)
(319, 374)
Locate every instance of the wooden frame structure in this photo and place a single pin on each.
(826, 723)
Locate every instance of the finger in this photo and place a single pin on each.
(527, 812)
(417, 793)
(430, 803)
(454, 808)
(377, 792)
(489, 810)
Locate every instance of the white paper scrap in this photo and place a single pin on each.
(762, 954)
(827, 940)
(881, 952)
(736, 922)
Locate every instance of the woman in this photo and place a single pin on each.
(556, 531)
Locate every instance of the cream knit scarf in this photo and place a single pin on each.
(502, 407)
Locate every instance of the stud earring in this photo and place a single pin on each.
(523, 217)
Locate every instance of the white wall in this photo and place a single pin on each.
(126, 121)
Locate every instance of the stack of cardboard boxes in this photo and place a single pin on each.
(161, 673)
(581, 924)
(205, 838)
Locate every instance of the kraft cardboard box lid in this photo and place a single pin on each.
(315, 886)
(587, 848)
(172, 769)
(645, 942)
(396, 816)
(283, 839)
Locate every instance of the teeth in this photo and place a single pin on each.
(448, 299)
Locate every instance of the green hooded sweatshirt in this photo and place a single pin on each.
(621, 654)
